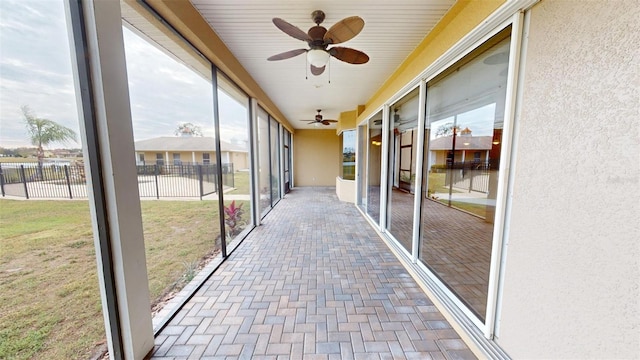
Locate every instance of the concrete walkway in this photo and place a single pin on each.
(313, 282)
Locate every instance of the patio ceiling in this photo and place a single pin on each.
(392, 30)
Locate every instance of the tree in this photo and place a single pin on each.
(188, 129)
(43, 132)
(447, 130)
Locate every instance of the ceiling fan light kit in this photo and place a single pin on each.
(317, 57)
(318, 38)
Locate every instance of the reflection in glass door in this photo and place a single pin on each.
(234, 136)
(465, 115)
(287, 160)
(361, 163)
(374, 168)
(274, 131)
(402, 153)
(264, 168)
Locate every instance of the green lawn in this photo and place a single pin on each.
(49, 298)
(241, 183)
(437, 184)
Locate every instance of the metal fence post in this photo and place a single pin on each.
(200, 180)
(2, 180)
(24, 181)
(232, 171)
(66, 174)
(155, 171)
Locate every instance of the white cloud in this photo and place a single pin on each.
(35, 70)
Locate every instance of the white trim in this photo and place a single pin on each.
(384, 169)
(255, 173)
(106, 58)
(356, 171)
(281, 158)
(291, 173)
(418, 198)
(514, 146)
(503, 175)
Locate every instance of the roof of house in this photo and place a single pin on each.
(462, 143)
(186, 143)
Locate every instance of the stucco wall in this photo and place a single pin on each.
(317, 156)
(572, 265)
(346, 190)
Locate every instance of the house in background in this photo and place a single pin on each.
(558, 276)
(467, 148)
(183, 150)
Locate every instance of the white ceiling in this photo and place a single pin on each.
(392, 30)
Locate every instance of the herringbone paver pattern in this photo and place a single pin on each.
(313, 282)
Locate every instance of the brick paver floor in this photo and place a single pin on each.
(313, 282)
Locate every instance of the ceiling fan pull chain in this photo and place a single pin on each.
(329, 64)
(306, 68)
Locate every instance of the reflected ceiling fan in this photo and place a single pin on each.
(396, 118)
(320, 120)
(319, 38)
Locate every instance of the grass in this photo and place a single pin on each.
(49, 299)
(241, 183)
(477, 209)
(437, 185)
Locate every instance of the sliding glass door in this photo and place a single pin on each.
(465, 115)
(374, 143)
(402, 137)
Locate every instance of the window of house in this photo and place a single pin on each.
(206, 158)
(159, 159)
(176, 159)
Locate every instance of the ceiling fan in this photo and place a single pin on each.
(319, 120)
(319, 38)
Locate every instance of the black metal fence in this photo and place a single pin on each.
(470, 176)
(69, 181)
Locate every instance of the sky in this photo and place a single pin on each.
(35, 70)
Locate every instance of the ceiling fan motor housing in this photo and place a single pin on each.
(317, 16)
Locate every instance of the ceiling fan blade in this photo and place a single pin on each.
(317, 70)
(325, 122)
(344, 30)
(291, 30)
(331, 121)
(287, 54)
(348, 55)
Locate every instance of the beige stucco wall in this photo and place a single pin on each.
(316, 157)
(240, 160)
(572, 278)
(346, 190)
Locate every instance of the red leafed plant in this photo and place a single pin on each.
(233, 219)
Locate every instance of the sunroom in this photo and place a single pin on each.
(470, 145)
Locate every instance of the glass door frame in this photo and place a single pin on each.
(457, 52)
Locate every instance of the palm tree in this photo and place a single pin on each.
(188, 129)
(44, 132)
